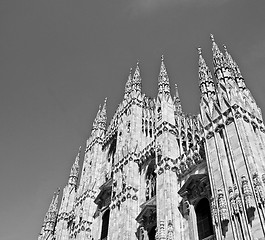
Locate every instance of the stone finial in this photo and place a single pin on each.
(199, 50)
(225, 48)
(212, 37)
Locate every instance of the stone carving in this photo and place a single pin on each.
(259, 191)
(123, 181)
(170, 230)
(143, 234)
(214, 212)
(157, 234)
(224, 216)
(209, 135)
(238, 199)
(248, 196)
(162, 235)
(232, 200)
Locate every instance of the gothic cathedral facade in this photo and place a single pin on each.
(158, 173)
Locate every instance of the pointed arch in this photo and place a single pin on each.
(204, 219)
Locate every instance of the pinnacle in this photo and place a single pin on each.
(137, 70)
(79, 151)
(128, 85)
(235, 69)
(204, 75)
(103, 110)
(212, 37)
(202, 63)
(163, 79)
(218, 57)
(225, 48)
(136, 82)
(75, 167)
(163, 70)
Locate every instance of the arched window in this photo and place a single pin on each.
(204, 220)
(150, 181)
(105, 225)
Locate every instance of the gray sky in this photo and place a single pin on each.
(59, 59)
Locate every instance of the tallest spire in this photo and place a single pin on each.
(163, 79)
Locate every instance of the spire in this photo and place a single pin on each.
(177, 101)
(128, 85)
(235, 69)
(102, 118)
(163, 79)
(177, 91)
(95, 123)
(56, 201)
(75, 169)
(50, 209)
(218, 57)
(206, 82)
(51, 215)
(137, 81)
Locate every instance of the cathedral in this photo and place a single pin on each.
(158, 173)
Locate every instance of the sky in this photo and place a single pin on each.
(59, 59)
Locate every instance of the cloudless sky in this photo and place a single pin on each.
(59, 59)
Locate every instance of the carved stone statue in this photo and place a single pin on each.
(143, 234)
